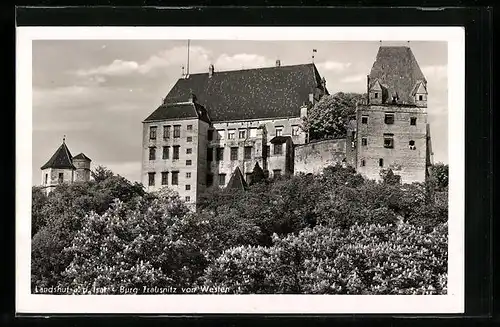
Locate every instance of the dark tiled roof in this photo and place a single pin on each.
(180, 110)
(237, 181)
(279, 139)
(253, 93)
(81, 156)
(398, 72)
(61, 159)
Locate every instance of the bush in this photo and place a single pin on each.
(369, 259)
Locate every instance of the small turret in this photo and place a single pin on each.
(82, 165)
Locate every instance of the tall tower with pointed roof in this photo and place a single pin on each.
(392, 128)
(62, 167)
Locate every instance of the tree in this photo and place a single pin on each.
(330, 116)
(135, 248)
(439, 176)
(101, 173)
(60, 216)
(389, 178)
(38, 201)
(257, 175)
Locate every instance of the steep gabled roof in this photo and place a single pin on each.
(398, 72)
(179, 110)
(61, 159)
(237, 181)
(81, 156)
(252, 93)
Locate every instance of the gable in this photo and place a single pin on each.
(421, 89)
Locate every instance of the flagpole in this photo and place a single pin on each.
(187, 67)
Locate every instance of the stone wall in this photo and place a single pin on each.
(314, 156)
(409, 163)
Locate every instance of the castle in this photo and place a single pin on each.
(62, 167)
(214, 128)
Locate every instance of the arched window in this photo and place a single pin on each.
(412, 145)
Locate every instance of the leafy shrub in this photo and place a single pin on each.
(368, 259)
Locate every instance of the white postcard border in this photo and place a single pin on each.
(453, 302)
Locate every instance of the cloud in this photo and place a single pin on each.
(334, 65)
(353, 78)
(242, 60)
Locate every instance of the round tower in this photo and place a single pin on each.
(82, 165)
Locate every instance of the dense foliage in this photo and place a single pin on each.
(335, 232)
(329, 117)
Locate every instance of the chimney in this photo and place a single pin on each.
(278, 63)
(210, 70)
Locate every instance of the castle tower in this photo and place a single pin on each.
(82, 165)
(59, 169)
(392, 128)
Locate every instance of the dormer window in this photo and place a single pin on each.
(420, 97)
(394, 99)
(375, 95)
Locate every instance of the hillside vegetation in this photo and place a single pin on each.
(332, 233)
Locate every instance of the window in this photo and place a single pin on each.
(364, 119)
(412, 145)
(388, 141)
(175, 178)
(420, 97)
(234, 153)
(389, 118)
(189, 151)
(413, 121)
(248, 177)
(188, 162)
(222, 179)
(295, 130)
(248, 152)
(188, 199)
(253, 132)
(394, 99)
(166, 152)
(268, 150)
(151, 179)
(220, 154)
(188, 175)
(210, 135)
(242, 133)
(189, 127)
(188, 187)
(210, 180)
(364, 141)
(363, 163)
(46, 178)
(230, 134)
(177, 131)
(381, 162)
(152, 133)
(279, 131)
(353, 138)
(175, 156)
(189, 139)
(61, 178)
(375, 95)
(278, 149)
(276, 173)
(166, 132)
(164, 178)
(220, 133)
(210, 154)
(152, 153)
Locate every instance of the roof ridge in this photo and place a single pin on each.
(246, 69)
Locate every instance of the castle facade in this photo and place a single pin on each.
(215, 127)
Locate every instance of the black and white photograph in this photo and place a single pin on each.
(203, 170)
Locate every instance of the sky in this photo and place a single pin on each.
(98, 92)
